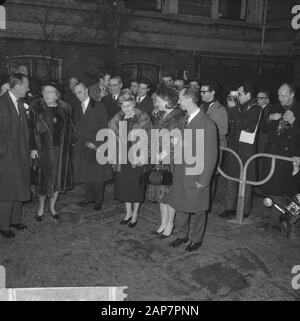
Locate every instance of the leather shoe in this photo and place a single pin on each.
(132, 224)
(228, 215)
(124, 222)
(54, 215)
(7, 234)
(163, 236)
(19, 226)
(97, 206)
(84, 203)
(154, 232)
(193, 246)
(178, 242)
(39, 217)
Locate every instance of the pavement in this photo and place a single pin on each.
(87, 248)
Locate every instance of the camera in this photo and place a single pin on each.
(233, 93)
(232, 98)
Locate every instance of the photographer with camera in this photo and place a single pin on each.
(244, 115)
(283, 126)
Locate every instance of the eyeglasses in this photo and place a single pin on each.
(204, 91)
(49, 92)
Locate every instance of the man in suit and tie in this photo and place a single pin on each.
(69, 96)
(263, 99)
(190, 192)
(111, 101)
(14, 155)
(144, 102)
(89, 119)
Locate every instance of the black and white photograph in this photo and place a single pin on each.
(149, 151)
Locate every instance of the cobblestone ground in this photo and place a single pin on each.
(88, 248)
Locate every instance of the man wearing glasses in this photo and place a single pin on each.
(218, 114)
(263, 99)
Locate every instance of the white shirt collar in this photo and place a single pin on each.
(193, 115)
(138, 98)
(86, 102)
(15, 100)
(13, 97)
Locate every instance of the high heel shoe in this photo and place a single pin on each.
(132, 224)
(55, 216)
(154, 232)
(38, 217)
(124, 222)
(163, 236)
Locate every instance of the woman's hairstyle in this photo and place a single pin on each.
(169, 94)
(126, 95)
(49, 85)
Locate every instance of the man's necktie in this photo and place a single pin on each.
(138, 100)
(186, 120)
(18, 106)
(83, 107)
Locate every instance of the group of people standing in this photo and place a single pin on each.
(61, 138)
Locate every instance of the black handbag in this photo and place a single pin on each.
(34, 171)
(159, 177)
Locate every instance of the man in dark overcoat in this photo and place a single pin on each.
(14, 155)
(283, 126)
(244, 116)
(190, 192)
(143, 100)
(91, 118)
(110, 101)
(263, 99)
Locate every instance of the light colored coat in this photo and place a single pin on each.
(218, 114)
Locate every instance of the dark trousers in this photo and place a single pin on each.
(10, 213)
(94, 192)
(213, 190)
(191, 226)
(232, 193)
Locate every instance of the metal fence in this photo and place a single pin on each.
(243, 175)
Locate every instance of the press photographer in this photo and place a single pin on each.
(283, 127)
(244, 115)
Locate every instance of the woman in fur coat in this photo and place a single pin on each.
(168, 117)
(50, 141)
(128, 177)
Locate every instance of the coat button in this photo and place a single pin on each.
(289, 137)
(286, 148)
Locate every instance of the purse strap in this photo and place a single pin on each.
(258, 122)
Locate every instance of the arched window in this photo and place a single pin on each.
(42, 68)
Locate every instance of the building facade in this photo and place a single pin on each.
(225, 40)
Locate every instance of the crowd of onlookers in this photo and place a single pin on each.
(62, 143)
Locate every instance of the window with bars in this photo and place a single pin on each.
(42, 68)
(151, 5)
(196, 8)
(140, 70)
